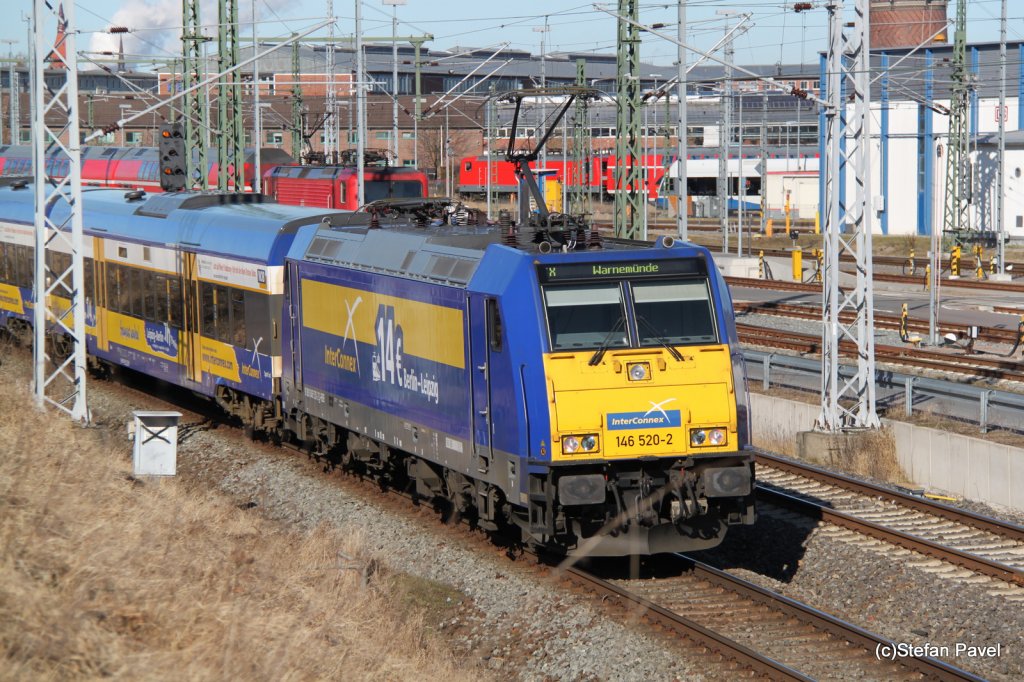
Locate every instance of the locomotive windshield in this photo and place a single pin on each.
(675, 312)
(586, 316)
(391, 189)
(660, 312)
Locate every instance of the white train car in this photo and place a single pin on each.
(795, 180)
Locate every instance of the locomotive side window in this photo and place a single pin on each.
(674, 312)
(494, 325)
(586, 316)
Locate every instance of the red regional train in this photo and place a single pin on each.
(600, 178)
(337, 186)
(320, 186)
(126, 167)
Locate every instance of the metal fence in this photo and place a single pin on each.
(988, 408)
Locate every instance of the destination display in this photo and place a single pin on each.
(563, 272)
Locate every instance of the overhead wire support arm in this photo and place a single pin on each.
(777, 84)
(206, 81)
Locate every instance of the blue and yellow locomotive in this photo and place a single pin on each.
(591, 395)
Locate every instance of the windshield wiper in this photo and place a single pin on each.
(595, 359)
(660, 339)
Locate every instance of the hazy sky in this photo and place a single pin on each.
(777, 33)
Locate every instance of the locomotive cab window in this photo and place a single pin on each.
(586, 316)
(674, 312)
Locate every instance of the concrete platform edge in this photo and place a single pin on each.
(938, 461)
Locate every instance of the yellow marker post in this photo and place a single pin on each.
(979, 262)
(788, 221)
(769, 227)
(798, 264)
(818, 256)
(817, 223)
(760, 264)
(928, 276)
(954, 262)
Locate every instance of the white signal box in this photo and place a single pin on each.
(155, 451)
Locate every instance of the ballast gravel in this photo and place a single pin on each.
(511, 622)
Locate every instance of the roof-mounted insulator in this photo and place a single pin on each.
(135, 195)
(802, 6)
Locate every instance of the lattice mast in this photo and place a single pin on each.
(848, 403)
(15, 102)
(59, 376)
(231, 136)
(197, 165)
(330, 96)
(955, 219)
(629, 209)
(297, 125)
(579, 176)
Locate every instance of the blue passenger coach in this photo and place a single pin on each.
(188, 288)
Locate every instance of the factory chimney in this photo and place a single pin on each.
(907, 23)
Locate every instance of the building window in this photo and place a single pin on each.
(26, 136)
(275, 138)
(408, 135)
(133, 137)
(382, 135)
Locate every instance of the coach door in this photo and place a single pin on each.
(482, 311)
(294, 299)
(191, 356)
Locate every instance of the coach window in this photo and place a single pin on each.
(90, 279)
(174, 302)
(238, 335)
(112, 287)
(5, 265)
(257, 321)
(161, 305)
(26, 266)
(149, 295)
(209, 294)
(137, 289)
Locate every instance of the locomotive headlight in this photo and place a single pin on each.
(639, 371)
(708, 437)
(570, 444)
(589, 443)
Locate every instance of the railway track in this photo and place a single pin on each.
(882, 321)
(769, 634)
(919, 265)
(811, 287)
(977, 544)
(966, 365)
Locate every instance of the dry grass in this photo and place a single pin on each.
(105, 576)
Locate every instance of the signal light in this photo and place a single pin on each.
(172, 158)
